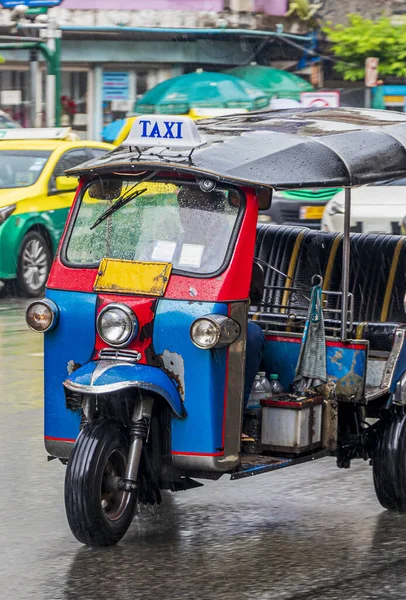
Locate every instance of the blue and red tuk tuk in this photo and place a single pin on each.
(160, 269)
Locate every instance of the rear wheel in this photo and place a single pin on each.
(98, 512)
(389, 464)
(34, 263)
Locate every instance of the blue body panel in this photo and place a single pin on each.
(127, 375)
(202, 375)
(346, 366)
(72, 340)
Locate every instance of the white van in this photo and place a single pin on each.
(377, 208)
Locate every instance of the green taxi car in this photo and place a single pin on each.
(35, 197)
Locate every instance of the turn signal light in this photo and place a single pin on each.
(214, 331)
(42, 315)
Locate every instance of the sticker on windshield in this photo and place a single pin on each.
(163, 251)
(38, 164)
(191, 255)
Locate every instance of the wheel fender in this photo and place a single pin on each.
(105, 376)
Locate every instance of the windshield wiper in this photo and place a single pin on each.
(116, 206)
(122, 201)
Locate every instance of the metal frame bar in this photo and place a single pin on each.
(346, 265)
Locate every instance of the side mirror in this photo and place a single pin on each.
(264, 197)
(65, 184)
(257, 283)
(106, 189)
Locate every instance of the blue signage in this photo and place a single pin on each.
(30, 3)
(116, 86)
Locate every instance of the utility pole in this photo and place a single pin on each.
(33, 86)
(53, 35)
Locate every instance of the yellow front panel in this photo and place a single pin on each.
(132, 277)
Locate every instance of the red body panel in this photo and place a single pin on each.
(144, 308)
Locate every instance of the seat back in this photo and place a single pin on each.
(377, 272)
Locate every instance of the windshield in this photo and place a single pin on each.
(21, 168)
(158, 222)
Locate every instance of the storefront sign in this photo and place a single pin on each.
(30, 3)
(10, 97)
(321, 99)
(116, 86)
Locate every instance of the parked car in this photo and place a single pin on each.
(6, 122)
(298, 207)
(35, 198)
(377, 208)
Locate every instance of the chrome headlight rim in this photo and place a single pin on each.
(51, 306)
(213, 322)
(133, 323)
(223, 337)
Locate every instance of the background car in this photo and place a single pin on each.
(6, 122)
(377, 208)
(298, 207)
(35, 197)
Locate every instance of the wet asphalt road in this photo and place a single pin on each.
(310, 532)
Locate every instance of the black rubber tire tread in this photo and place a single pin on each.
(83, 481)
(389, 465)
(21, 287)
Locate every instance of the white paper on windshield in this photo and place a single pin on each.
(163, 250)
(191, 255)
(38, 164)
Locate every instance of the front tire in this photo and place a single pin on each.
(98, 512)
(34, 264)
(389, 464)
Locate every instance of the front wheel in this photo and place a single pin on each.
(34, 263)
(98, 512)
(389, 464)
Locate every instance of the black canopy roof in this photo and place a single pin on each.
(282, 149)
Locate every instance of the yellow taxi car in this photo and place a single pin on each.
(35, 197)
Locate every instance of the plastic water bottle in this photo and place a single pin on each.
(276, 387)
(266, 384)
(257, 394)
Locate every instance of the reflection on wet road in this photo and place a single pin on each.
(310, 532)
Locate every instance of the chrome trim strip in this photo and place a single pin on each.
(235, 387)
(115, 387)
(217, 464)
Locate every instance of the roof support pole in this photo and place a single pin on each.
(346, 266)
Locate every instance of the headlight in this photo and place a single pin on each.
(214, 331)
(117, 324)
(42, 315)
(334, 208)
(6, 212)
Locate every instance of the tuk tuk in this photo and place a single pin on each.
(160, 268)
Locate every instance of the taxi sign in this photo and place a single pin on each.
(40, 133)
(169, 131)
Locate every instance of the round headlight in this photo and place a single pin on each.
(41, 315)
(117, 324)
(205, 333)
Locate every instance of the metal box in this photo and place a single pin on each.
(291, 425)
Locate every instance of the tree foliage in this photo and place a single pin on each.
(352, 44)
(303, 9)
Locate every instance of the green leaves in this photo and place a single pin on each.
(352, 44)
(303, 9)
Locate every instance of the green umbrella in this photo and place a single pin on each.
(201, 89)
(273, 82)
